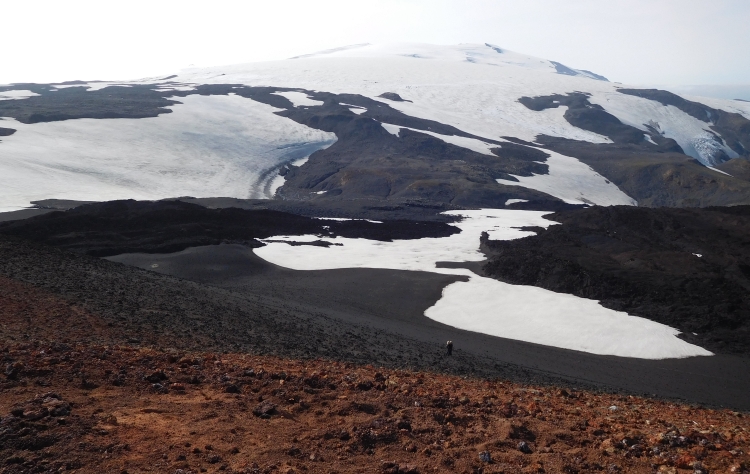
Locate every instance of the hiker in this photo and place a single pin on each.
(449, 345)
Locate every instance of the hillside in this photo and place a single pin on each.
(84, 400)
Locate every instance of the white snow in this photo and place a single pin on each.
(301, 161)
(342, 219)
(470, 143)
(208, 146)
(16, 94)
(470, 87)
(95, 86)
(648, 138)
(532, 314)
(299, 99)
(488, 306)
(718, 170)
(355, 108)
(276, 182)
(513, 201)
(175, 87)
(573, 182)
(417, 254)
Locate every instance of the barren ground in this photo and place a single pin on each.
(71, 404)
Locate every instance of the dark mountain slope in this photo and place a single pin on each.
(115, 227)
(655, 174)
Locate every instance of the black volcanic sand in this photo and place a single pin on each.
(22, 214)
(645, 262)
(394, 302)
(239, 302)
(115, 227)
(52, 105)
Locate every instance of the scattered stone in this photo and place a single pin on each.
(264, 410)
(524, 447)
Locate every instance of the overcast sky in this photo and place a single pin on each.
(642, 42)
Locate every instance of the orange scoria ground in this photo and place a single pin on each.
(74, 399)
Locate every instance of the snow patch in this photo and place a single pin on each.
(718, 170)
(301, 161)
(299, 99)
(573, 182)
(170, 87)
(95, 86)
(470, 143)
(355, 108)
(488, 306)
(342, 219)
(532, 314)
(17, 94)
(513, 201)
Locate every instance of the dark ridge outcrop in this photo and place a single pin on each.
(6, 132)
(393, 96)
(738, 168)
(687, 268)
(116, 227)
(567, 71)
(136, 101)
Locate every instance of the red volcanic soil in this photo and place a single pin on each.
(73, 399)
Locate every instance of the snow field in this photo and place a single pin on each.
(470, 143)
(574, 182)
(16, 94)
(471, 87)
(478, 97)
(488, 306)
(208, 146)
(694, 136)
(299, 99)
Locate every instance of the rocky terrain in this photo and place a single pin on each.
(148, 336)
(687, 268)
(116, 227)
(75, 401)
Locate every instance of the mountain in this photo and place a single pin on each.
(452, 126)
(366, 204)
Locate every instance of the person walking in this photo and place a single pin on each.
(449, 345)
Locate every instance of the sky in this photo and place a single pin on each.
(639, 42)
